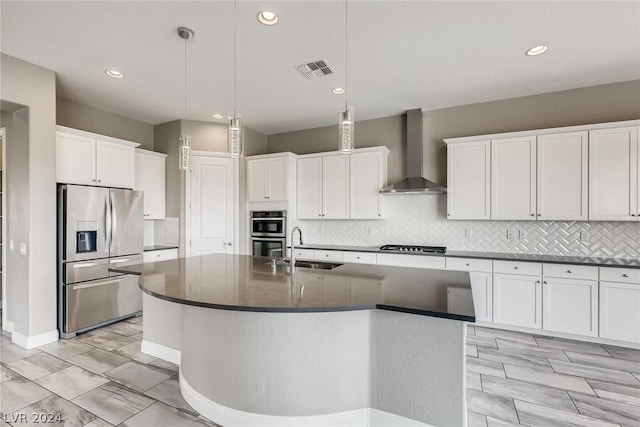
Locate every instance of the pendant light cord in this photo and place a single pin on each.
(235, 23)
(185, 79)
(346, 55)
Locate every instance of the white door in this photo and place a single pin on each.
(335, 187)
(613, 172)
(620, 311)
(277, 174)
(517, 300)
(257, 185)
(75, 159)
(482, 291)
(513, 178)
(562, 176)
(367, 176)
(115, 164)
(571, 306)
(310, 188)
(468, 177)
(213, 203)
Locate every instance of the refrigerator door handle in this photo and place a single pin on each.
(114, 218)
(107, 225)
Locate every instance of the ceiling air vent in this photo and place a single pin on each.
(313, 70)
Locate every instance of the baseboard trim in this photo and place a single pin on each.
(230, 417)
(7, 326)
(34, 340)
(162, 351)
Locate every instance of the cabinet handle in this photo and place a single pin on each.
(569, 271)
(99, 180)
(532, 214)
(545, 282)
(633, 214)
(516, 268)
(467, 264)
(448, 214)
(538, 281)
(539, 214)
(625, 275)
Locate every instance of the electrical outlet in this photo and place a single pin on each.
(23, 248)
(370, 230)
(522, 234)
(319, 229)
(585, 236)
(509, 234)
(11, 245)
(468, 233)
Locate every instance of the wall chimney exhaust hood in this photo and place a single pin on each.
(414, 183)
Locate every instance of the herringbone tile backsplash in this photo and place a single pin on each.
(421, 220)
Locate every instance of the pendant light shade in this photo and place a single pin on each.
(235, 136)
(184, 141)
(346, 130)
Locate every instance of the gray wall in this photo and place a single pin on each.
(34, 87)
(611, 102)
(80, 116)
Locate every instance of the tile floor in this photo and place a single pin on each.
(101, 379)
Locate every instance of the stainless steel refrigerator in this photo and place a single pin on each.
(98, 229)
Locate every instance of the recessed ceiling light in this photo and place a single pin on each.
(338, 90)
(216, 116)
(267, 17)
(113, 73)
(537, 50)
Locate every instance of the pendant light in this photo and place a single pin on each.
(184, 142)
(235, 124)
(346, 119)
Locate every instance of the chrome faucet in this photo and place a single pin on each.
(292, 259)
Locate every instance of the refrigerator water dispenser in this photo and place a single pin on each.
(86, 236)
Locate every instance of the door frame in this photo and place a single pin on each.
(3, 136)
(236, 199)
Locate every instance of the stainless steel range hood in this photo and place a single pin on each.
(414, 183)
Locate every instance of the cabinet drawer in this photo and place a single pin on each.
(417, 261)
(518, 267)
(622, 275)
(359, 257)
(162, 255)
(328, 255)
(469, 264)
(569, 271)
(303, 253)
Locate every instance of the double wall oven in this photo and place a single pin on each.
(269, 233)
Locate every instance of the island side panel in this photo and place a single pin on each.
(418, 367)
(283, 364)
(161, 332)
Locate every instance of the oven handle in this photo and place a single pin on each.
(267, 219)
(263, 239)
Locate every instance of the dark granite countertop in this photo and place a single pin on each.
(503, 256)
(246, 283)
(158, 247)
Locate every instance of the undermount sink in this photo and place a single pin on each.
(318, 265)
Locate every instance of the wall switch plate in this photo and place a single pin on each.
(509, 234)
(11, 245)
(585, 236)
(23, 248)
(468, 233)
(522, 234)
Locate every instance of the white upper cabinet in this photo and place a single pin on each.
(468, 180)
(562, 176)
(513, 178)
(150, 178)
(309, 188)
(267, 178)
(342, 186)
(335, 186)
(368, 174)
(613, 174)
(91, 159)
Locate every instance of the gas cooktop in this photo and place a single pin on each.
(414, 249)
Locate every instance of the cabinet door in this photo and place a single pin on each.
(277, 173)
(562, 176)
(154, 187)
(468, 178)
(335, 187)
(517, 300)
(482, 289)
(75, 159)
(309, 172)
(138, 181)
(513, 178)
(620, 311)
(367, 176)
(256, 182)
(115, 164)
(570, 306)
(613, 172)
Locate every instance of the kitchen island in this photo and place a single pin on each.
(354, 345)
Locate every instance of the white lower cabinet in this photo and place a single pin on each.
(517, 300)
(160, 255)
(359, 257)
(620, 311)
(327, 255)
(570, 306)
(416, 261)
(482, 290)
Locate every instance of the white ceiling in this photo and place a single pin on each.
(402, 55)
